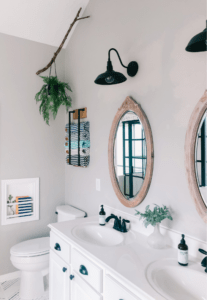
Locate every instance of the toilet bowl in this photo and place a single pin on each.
(31, 257)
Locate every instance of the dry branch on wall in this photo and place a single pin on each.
(61, 45)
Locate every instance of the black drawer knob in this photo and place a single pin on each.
(57, 247)
(71, 277)
(83, 270)
(64, 269)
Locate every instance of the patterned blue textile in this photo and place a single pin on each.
(84, 144)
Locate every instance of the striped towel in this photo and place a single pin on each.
(84, 160)
(23, 199)
(84, 144)
(83, 152)
(23, 206)
(84, 126)
(74, 144)
(84, 136)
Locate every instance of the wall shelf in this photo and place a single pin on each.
(22, 211)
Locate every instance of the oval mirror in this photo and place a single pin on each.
(196, 156)
(130, 153)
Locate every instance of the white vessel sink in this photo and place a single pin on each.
(176, 282)
(99, 235)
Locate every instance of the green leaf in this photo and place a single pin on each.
(52, 95)
(157, 215)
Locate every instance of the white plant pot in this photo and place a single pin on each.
(156, 239)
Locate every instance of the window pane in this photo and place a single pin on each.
(127, 184)
(126, 131)
(136, 148)
(119, 171)
(126, 148)
(144, 154)
(137, 167)
(126, 162)
(118, 149)
(136, 131)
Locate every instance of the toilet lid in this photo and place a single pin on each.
(32, 247)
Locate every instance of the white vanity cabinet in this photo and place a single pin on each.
(80, 290)
(116, 291)
(73, 276)
(59, 278)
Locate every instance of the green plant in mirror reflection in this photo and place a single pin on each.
(157, 215)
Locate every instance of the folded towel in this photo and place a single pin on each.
(83, 152)
(84, 135)
(74, 144)
(84, 144)
(74, 127)
(84, 161)
(21, 210)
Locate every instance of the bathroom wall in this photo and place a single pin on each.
(28, 147)
(168, 85)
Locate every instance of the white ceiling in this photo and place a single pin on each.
(43, 21)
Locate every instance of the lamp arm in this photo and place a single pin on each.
(117, 55)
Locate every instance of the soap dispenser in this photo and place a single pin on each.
(102, 215)
(183, 252)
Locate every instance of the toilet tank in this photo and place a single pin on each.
(67, 213)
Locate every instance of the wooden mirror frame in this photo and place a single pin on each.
(131, 105)
(190, 146)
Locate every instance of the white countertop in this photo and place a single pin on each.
(129, 261)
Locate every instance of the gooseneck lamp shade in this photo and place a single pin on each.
(199, 42)
(112, 77)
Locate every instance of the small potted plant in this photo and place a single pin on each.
(155, 217)
(10, 208)
(52, 95)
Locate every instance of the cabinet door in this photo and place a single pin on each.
(114, 290)
(59, 278)
(80, 290)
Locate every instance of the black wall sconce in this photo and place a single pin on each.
(199, 42)
(111, 77)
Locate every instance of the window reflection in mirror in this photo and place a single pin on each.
(201, 158)
(130, 155)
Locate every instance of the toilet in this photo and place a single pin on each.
(31, 257)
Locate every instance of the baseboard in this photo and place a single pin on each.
(9, 276)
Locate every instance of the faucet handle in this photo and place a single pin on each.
(124, 227)
(202, 251)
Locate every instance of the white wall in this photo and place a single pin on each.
(168, 85)
(28, 147)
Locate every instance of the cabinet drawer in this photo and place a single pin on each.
(114, 290)
(60, 247)
(87, 270)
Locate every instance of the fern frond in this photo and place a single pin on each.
(52, 95)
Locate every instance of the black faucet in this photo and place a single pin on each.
(204, 261)
(118, 224)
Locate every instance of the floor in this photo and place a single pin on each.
(9, 290)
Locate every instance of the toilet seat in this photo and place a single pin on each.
(33, 247)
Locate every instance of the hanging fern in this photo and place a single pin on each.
(52, 95)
